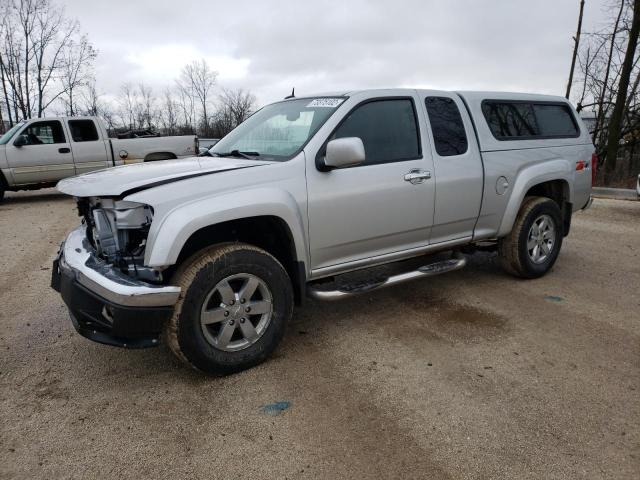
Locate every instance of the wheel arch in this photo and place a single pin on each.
(155, 156)
(256, 216)
(268, 232)
(551, 179)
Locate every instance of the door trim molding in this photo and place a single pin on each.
(41, 168)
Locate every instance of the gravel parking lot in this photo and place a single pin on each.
(473, 374)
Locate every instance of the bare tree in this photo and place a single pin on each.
(621, 98)
(197, 81)
(186, 107)
(576, 44)
(77, 65)
(5, 93)
(35, 50)
(605, 82)
(239, 103)
(92, 104)
(127, 102)
(605, 59)
(169, 117)
(51, 37)
(145, 107)
(13, 58)
(91, 99)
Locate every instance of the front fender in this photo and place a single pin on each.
(558, 169)
(168, 236)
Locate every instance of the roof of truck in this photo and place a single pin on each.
(483, 95)
(468, 94)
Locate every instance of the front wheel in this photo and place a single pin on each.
(533, 245)
(235, 303)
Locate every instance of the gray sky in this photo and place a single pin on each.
(270, 46)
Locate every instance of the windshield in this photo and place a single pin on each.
(279, 130)
(7, 136)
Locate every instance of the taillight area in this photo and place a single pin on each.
(594, 166)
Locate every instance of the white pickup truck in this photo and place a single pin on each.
(39, 152)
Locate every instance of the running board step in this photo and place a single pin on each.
(350, 290)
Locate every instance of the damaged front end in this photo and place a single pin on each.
(117, 230)
(100, 274)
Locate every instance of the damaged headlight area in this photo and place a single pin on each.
(118, 230)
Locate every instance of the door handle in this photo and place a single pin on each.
(64, 150)
(417, 176)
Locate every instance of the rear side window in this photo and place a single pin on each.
(449, 135)
(529, 120)
(388, 129)
(555, 120)
(83, 130)
(45, 132)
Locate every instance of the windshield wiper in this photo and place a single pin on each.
(238, 153)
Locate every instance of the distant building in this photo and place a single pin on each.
(589, 119)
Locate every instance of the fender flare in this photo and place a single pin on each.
(558, 169)
(168, 236)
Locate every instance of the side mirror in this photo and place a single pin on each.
(344, 152)
(21, 141)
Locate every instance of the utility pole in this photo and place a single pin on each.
(576, 43)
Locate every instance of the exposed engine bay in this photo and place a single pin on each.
(117, 230)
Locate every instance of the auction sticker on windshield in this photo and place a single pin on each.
(325, 102)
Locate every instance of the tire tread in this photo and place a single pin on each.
(508, 248)
(183, 278)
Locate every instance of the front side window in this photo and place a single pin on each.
(83, 130)
(388, 129)
(279, 130)
(47, 132)
(529, 120)
(449, 135)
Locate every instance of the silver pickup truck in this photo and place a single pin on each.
(309, 198)
(37, 153)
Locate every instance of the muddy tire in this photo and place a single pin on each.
(533, 245)
(231, 315)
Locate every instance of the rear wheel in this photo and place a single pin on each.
(236, 301)
(533, 245)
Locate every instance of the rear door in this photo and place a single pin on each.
(89, 150)
(457, 166)
(45, 158)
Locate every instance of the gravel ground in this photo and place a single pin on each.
(470, 375)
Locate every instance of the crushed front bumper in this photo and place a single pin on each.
(106, 305)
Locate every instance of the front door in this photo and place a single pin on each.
(383, 206)
(45, 158)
